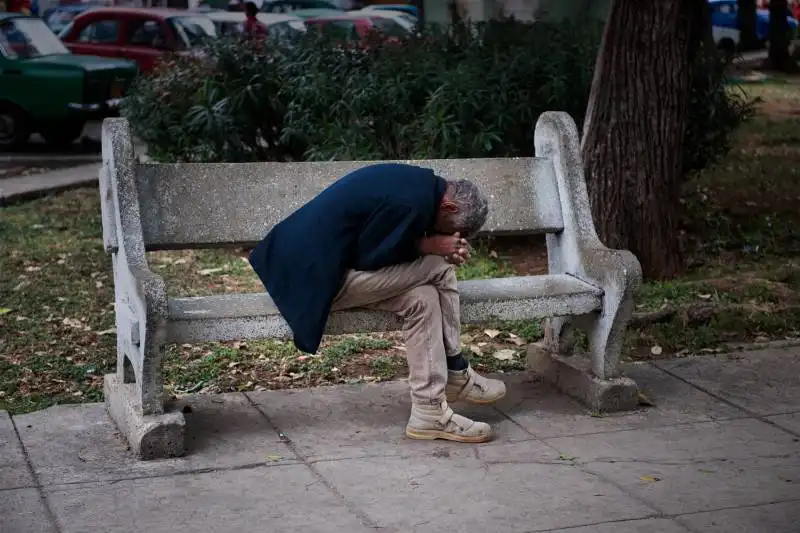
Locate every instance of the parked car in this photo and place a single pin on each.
(355, 27)
(725, 14)
(287, 6)
(142, 35)
(315, 13)
(59, 17)
(282, 27)
(401, 8)
(44, 89)
(408, 22)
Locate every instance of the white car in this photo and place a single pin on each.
(278, 25)
(408, 22)
(726, 38)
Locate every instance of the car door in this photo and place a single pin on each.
(145, 40)
(96, 37)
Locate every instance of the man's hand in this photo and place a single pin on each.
(452, 247)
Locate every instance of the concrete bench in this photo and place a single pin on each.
(180, 206)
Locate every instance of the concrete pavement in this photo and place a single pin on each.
(33, 185)
(719, 452)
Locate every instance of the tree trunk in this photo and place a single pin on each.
(779, 37)
(747, 25)
(635, 126)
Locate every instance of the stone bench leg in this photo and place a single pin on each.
(577, 251)
(134, 394)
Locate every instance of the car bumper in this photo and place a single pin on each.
(97, 110)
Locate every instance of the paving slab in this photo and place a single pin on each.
(14, 471)
(697, 467)
(529, 490)
(789, 422)
(23, 511)
(545, 412)
(356, 421)
(764, 382)
(771, 518)
(648, 525)
(280, 498)
(79, 443)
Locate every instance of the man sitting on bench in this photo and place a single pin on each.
(387, 237)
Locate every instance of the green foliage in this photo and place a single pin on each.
(470, 91)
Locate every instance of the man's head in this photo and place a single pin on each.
(250, 9)
(463, 209)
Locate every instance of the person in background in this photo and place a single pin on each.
(253, 29)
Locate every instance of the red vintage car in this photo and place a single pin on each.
(141, 35)
(355, 27)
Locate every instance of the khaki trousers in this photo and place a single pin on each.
(425, 294)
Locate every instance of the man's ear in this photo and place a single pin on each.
(448, 207)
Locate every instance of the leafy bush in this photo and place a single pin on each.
(465, 92)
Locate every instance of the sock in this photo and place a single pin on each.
(457, 362)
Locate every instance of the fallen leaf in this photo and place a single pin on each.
(491, 333)
(476, 349)
(656, 350)
(107, 331)
(274, 457)
(650, 479)
(704, 296)
(644, 400)
(4, 310)
(207, 271)
(565, 457)
(516, 340)
(466, 338)
(504, 355)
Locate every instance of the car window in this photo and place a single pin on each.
(193, 31)
(59, 19)
(146, 32)
(100, 32)
(28, 37)
(387, 26)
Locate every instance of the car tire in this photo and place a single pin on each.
(61, 136)
(14, 127)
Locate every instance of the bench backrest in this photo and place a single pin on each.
(191, 205)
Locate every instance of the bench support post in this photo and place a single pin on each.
(577, 251)
(134, 394)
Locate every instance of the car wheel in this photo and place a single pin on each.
(61, 136)
(14, 128)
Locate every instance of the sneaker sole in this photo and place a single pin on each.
(433, 434)
(475, 402)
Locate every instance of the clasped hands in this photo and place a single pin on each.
(453, 248)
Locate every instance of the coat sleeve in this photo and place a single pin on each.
(390, 237)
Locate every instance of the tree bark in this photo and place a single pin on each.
(779, 38)
(748, 38)
(635, 126)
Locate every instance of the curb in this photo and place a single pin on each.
(19, 189)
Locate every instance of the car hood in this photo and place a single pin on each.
(86, 63)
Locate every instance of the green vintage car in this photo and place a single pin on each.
(45, 89)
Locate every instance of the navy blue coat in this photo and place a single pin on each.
(371, 218)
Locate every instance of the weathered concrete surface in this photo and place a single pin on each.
(23, 511)
(770, 518)
(335, 459)
(14, 472)
(695, 467)
(283, 498)
(764, 382)
(74, 444)
(34, 185)
(360, 421)
(546, 414)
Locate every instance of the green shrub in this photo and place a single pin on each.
(466, 92)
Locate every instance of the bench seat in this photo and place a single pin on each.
(230, 317)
